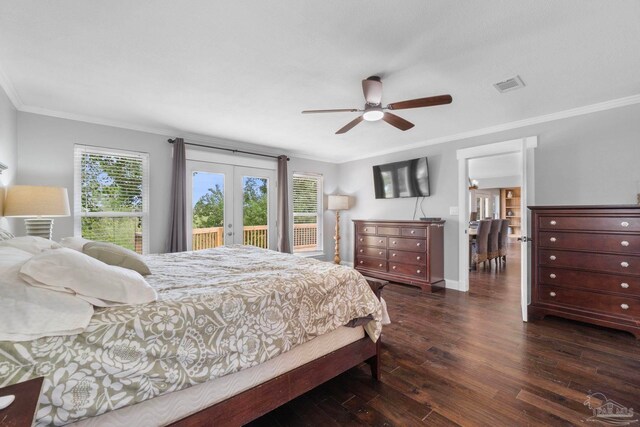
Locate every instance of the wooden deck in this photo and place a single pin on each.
(455, 359)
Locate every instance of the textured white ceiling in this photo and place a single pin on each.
(243, 70)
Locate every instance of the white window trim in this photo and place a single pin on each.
(320, 249)
(77, 192)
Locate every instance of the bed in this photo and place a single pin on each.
(231, 324)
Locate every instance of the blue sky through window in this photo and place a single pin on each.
(202, 182)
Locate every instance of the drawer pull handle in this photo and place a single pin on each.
(380, 253)
(624, 285)
(418, 271)
(379, 265)
(418, 258)
(394, 242)
(553, 276)
(361, 239)
(418, 244)
(553, 239)
(366, 229)
(624, 306)
(413, 231)
(552, 257)
(361, 250)
(552, 222)
(624, 224)
(361, 262)
(624, 264)
(553, 294)
(394, 254)
(394, 267)
(624, 243)
(380, 241)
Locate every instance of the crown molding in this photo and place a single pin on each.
(559, 115)
(10, 90)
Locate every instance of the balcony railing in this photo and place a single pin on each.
(305, 237)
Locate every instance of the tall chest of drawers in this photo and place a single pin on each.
(586, 265)
(410, 252)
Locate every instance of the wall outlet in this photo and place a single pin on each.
(453, 211)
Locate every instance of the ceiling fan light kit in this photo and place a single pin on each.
(374, 111)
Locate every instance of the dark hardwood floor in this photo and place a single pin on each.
(467, 359)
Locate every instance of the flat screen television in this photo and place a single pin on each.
(409, 178)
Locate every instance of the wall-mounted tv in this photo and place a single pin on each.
(402, 179)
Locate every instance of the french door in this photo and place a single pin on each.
(229, 204)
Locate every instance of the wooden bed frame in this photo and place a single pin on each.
(257, 401)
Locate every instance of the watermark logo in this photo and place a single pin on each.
(609, 412)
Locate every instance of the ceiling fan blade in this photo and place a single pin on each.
(421, 102)
(338, 110)
(397, 121)
(350, 125)
(372, 89)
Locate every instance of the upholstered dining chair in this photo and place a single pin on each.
(479, 249)
(503, 241)
(494, 250)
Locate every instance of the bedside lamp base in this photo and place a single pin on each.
(39, 227)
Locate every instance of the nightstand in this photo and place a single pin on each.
(21, 412)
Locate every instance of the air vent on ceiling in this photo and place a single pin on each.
(509, 84)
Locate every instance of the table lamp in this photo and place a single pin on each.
(337, 203)
(38, 205)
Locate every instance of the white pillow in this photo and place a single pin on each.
(75, 243)
(5, 234)
(27, 313)
(102, 285)
(32, 244)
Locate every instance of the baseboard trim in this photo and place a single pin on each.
(452, 284)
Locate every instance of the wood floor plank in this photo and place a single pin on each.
(450, 358)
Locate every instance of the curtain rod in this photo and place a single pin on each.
(171, 141)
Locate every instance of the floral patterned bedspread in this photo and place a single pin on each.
(219, 311)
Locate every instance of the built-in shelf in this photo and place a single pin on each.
(511, 205)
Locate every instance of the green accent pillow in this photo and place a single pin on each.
(112, 254)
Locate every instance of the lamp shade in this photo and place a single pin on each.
(338, 203)
(29, 200)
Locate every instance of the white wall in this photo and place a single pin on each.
(45, 157)
(8, 151)
(590, 159)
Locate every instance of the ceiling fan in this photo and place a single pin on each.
(373, 109)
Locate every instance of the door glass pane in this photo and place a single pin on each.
(255, 211)
(208, 210)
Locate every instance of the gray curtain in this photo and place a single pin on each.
(178, 231)
(284, 245)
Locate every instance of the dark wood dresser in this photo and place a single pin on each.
(586, 264)
(410, 252)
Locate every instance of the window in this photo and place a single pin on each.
(111, 197)
(307, 213)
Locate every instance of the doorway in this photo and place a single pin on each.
(230, 204)
(525, 148)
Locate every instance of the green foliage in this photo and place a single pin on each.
(255, 204)
(209, 209)
(111, 184)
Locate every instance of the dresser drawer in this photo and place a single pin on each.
(624, 264)
(625, 243)
(624, 285)
(372, 252)
(594, 223)
(587, 300)
(407, 269)
(418, 245)
(365, 229)
(414, 232)
(407, 257)
(388, 231)
(371, 263)
(379, 242)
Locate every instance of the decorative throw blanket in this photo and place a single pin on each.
(219, 311)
